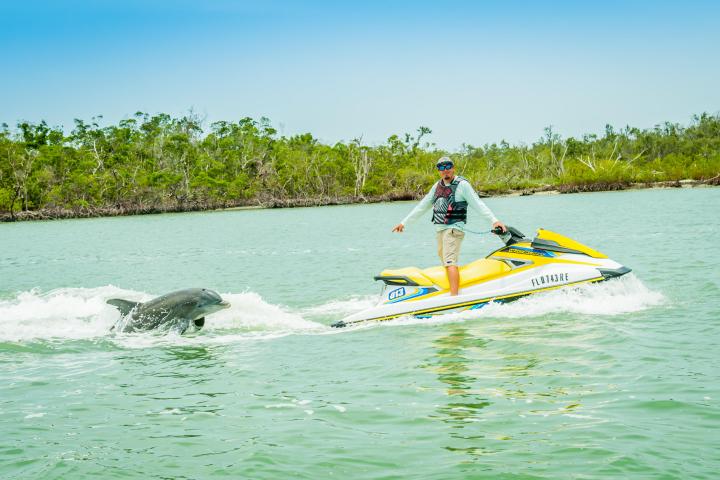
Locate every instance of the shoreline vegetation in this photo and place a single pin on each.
(156, 164)
(94, 212)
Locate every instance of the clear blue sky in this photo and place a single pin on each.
(472, 71)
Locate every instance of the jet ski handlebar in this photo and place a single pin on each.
(509, 236)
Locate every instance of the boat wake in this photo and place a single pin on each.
(622, 295)
(82, 314)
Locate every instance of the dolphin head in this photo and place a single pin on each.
(208, 301)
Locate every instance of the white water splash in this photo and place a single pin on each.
(249, 311)
(67, 313)
(619, 296)
(340, 308)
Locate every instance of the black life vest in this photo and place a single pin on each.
(446, 210)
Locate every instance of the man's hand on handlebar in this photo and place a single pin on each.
(498, 228)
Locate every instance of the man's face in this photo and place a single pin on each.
(447, 174)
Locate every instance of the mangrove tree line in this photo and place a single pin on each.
(160, 163)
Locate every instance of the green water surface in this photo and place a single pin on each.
(611, 381)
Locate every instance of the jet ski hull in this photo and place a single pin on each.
(521, 268)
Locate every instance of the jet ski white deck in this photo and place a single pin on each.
(522, 267)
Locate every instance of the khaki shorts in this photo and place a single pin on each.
(449, 241)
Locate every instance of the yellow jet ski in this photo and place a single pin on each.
(522, 267)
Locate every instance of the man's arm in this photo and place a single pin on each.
(419, 209)
(472, 198)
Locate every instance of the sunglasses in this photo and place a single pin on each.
(445, 166)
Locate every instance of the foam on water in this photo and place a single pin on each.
(339, 308)
(619, 296)
(69, 313)
(249, 311)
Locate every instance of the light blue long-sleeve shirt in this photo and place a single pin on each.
(464, 192)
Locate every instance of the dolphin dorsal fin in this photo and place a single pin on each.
(125, 306)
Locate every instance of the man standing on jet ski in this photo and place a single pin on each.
(450, 198)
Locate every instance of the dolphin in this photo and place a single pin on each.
(174, 311)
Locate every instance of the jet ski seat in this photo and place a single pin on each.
(404, 276)
(474, 272)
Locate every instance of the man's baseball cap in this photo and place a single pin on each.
(444, 161)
